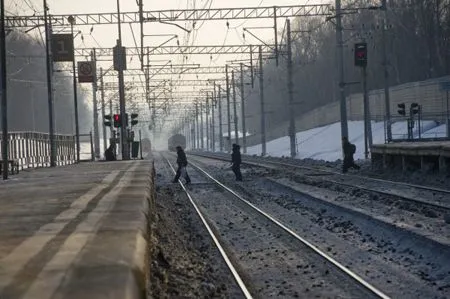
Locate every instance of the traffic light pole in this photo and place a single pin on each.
(367, 122)
(292, 130)
(261, 95)
(49, 63)
(244, 137)
(123, 127)
(102, 85)
(236, 133)
(3, 91)
(340, 90)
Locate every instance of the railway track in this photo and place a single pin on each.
(435, 198)
(306, 246)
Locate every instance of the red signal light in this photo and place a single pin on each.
(117, 120)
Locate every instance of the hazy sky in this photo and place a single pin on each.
(210, 33)
(207, 33)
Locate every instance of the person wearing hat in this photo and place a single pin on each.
(182, 163)
(236, 160)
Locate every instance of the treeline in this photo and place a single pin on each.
(417, 43)
(28, 95)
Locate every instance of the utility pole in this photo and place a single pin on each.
(95, 108)
(49, 60)
(213, 104)
(102, 85)
(201, 127)
(75, 95)
(220, 119)
(228, 104)
(292, 130)
(236, 133)
(3, 90)
(261, 95)
(197, 128)
(192, 128)
(123, 127)
(367, 122)
(275, 29)
(387, 100)
(141, 23)
(340, 90)
(207, 123)
(244, 137)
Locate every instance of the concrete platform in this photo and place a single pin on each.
(76, 231)
(432, 155)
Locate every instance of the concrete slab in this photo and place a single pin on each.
(433, 148)
(75, 231)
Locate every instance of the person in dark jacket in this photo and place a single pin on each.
(182, 163)
(109, 153)
(236, 160)
(349, 150)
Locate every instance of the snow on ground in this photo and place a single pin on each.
(437, 132)
(324, 143)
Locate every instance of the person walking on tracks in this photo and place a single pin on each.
(236, 161)
(349, 151)
(182, 163)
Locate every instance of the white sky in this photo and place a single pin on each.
(210, 33)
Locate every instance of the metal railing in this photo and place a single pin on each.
(421, 127)
(32, 149)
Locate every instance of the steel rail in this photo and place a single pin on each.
(227, 260)
(345, 270)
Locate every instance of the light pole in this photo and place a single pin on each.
(71, 20)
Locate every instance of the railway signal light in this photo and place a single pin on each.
(414, 108)
(117, 121)
(134, 121)
(401, 109)
(107, 120)
(361, 54)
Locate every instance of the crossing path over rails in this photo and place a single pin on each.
(76, 231)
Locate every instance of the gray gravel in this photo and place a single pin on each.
(184, 262)
(391, 258)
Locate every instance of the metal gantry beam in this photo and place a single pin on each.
(176, 15)
(184, 50)
(189, 83)
(214, 70)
